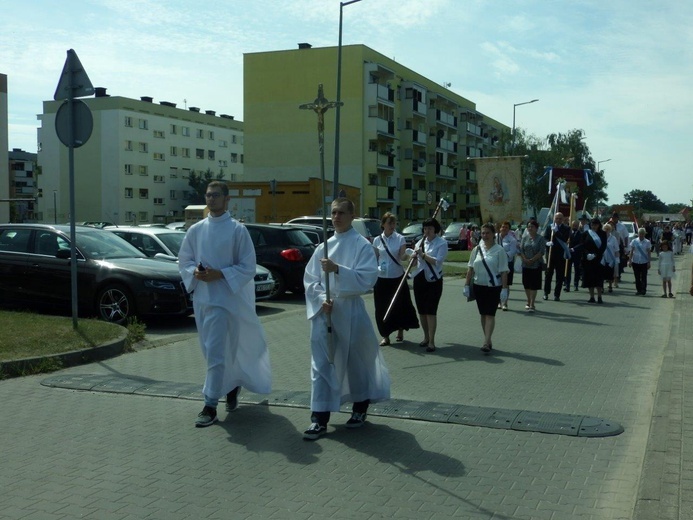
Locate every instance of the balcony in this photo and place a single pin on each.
(385, 127)
(382, 93)
(418, 197)
(445, 118)
(385, 193)
(444, 145)
(446, 171)
(419, 138)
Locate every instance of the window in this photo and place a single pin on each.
(172, 194)
(407, 184)
(173, 172)
(185, 152)
(372, 179)
(241, 158)
(144, 147)
(143, 124)
(174, 129)
(129, 216)
(159, 178)
(128, 193)
(210, 135)
(128, 169)
(143, 170)
(186, 131)
(210, 155)
(200, 133)
(234, 157)
(223, 163)
(143, 216)
(186, 173)
(128, 145)
(233, 139)
(173, 152)
(223, 144)
(158, 156)
(159, 134)
(158, 201)
(199, 153)
(128, 121)
(144, 193)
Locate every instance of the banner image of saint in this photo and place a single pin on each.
(500, 188)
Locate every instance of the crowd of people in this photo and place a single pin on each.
(217, 262)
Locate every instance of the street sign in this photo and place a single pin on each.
(82, 122)
(74, 81)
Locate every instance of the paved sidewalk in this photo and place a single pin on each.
(93, 454)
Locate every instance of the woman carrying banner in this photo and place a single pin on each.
(390, 249)
(488, 271)
(594, 244)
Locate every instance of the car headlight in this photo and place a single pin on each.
(160, 284)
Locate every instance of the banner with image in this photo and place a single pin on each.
(500, 188)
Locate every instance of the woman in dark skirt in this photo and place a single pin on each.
(390, 249)
(593, 248)
(532, 250)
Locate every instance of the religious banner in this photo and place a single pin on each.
(572, 181)
(500, 188)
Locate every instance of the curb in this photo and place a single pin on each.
(26, 366)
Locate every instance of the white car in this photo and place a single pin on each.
(632, 232)
(165, 243)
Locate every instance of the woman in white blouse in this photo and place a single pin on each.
(428, 279)
(488, 271)
(390, 248)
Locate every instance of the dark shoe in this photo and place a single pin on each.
(430, 349)
(611, 290)
(576, 287)
(546, 296)
(557, 298)
(384, 342)
(423, 344)
(663, 296)
(357, 420)
(671, 295)
(599, 300)
(567, 289)
(314, 432)
(486, 349)
(232, 399)
(591, 300)
(399, 338)
(207, 417)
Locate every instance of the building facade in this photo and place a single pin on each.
(22, 181)
(404, 139)
(134, 168)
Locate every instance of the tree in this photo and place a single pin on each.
(561, 150)
(199, 181)
(645, 201)
(676, 208)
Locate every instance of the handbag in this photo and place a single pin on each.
(471, 296)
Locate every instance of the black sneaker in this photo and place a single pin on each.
(232, 399)
(546, 296)
(557, 298)
(207, 417)
(357, 420)
(314, 432)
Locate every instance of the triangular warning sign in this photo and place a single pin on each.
(74, 78)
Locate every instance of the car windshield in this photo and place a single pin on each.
(454, 227)
(104, 245)
(412, 229)
(373, 227)
(172, 240)
(298, 238)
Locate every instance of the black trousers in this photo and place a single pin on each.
(578, 273)
(640, 272)
(557, 265)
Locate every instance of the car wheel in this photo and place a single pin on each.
(279, 283)
(114, 303)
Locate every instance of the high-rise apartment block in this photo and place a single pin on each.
(134, 168)
(4, 164)
(404, 139)
(23, 191)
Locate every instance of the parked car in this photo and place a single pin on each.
(632, 232)
(165, 244)
(452, 233)
(180, 226)
(368, 227)
(412, 233)
(115, 280)
(315, 233)
(285, 251)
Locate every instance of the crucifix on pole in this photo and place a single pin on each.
(320, 106)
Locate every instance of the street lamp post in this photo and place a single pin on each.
(55, 207)
(335, 179)
(514, 107)
(599, 162)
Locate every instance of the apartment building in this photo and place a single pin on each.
(404, 139)
(134, 168)
(22, 182)
(4, 160)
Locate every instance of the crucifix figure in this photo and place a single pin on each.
(320, 106)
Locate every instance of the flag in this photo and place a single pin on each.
(500, 188)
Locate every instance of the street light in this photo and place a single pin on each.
(514, 107)
(599, 162)
(335, 179)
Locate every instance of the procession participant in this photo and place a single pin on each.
(390, 248)
(508, 242)
(556, 236)
(357, 373)
(532, 251)
(217, 262)
(593, 248)
(610, 260)
(666, 267)
(428, 280)
(640, 261)
(620, 231)
(488, 271)
(575, 256)
(584, 223)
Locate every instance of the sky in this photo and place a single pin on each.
(620, 70)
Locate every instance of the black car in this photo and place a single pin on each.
(285, 251)
(115, 280)
(412, 234)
